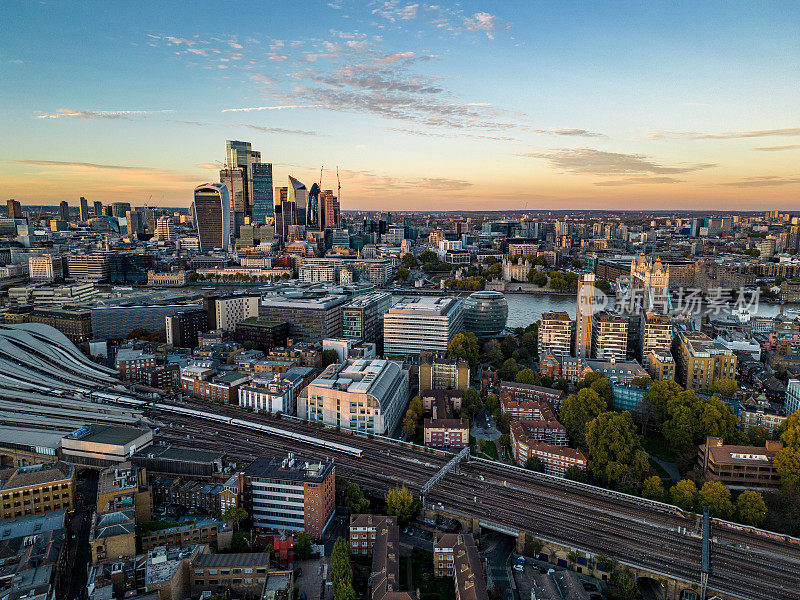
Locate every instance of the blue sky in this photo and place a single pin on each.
(463, 106)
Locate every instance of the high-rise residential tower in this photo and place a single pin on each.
(84, 210)
(583, 316)
(211, 211)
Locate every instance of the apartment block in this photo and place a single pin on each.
(439, 372)
(739, 467)
(233, 310)
(555, 333)
(527, 392)
(609, 336)
(134, 365)
(456, 555)
(701, 361)
(556, 459)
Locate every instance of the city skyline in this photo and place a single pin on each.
(469, 106)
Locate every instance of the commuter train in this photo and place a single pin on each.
(107, 397)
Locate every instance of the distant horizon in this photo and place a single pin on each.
(515, 106)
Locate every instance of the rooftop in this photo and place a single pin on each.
(293, 468)
(116, 435)
(433, 305)
(36, 475)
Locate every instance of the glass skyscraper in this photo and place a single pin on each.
(211, 211)
(262, 193)
(313, 213)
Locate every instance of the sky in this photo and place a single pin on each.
(450, 106)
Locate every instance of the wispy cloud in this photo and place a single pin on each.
(726, 135)
(589, 161)
(777, 148)
(571, 133)
(394, 10)
(441, 183)
(638, 181)
(97, 114)
(455, 135)
(763, 181)
(482, 21)
(276, 107)
(148, 172)
(275, 129)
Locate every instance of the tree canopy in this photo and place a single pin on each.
(751, 508)
(717, 498)
(684, 494)
(578, 409)
(400, 503)
(465, 346)
(615, 453)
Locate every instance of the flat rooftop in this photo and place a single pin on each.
(293, 468)
(438, 305)
(108, 434)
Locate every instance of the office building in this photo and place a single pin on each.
(438, 372)
(367, 395)
(120, 209)
(211, 212)
(609, 336)
(739, 467)
(313, 209)
(14, 209)
(45, 267)
(74, 323)
(485, 314)
(584, 316)
(293, 494)
(235, 309)
(792, 401)
(310, 319)
(285, 214)
(272, 395)
(262, 207)
(84, 210)
(98, 208)
(63, 211)
(165, 230)
(330, 210)
(36, 489)
(266, 335)
(417, 324)
(362, 317)
(298, 199)
(240, 159)
(700, 361)
(89, 267)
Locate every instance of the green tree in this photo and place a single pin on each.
(614, 449)
(492, 403)
(508, 370)
(355, 501)
(751, 508)
(577, 263)
(575, 473)
(725, 387)
(578, 409)
(684, 494)
(528, 340)
(250, 345)
(329, 357)
(789, 430)
(465, 346)
(341, 571)
(717, 498)
(235, 515)
(623, 582)
(403, 274)
(409, 260)
(527, 376)
(471, 402)
(504, 440)
(757, 435)
(787, 465)
(754, 252)
(493, 351)
(653, 488)
(302, 546)
(534, 463)
(400, 503)
(602, 285)
(599, 383)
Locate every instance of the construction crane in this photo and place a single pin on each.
(39, 216)
(321, 169)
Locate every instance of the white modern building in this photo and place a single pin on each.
(268, 395)
(236, 309)
(421, 323)
(368, 395)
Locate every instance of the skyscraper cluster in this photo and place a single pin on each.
(254, 199)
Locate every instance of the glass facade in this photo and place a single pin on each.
(485, 314)
(262, 193)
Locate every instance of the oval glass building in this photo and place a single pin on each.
(485, 314)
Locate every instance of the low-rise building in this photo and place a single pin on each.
(202, 382)
(530, 410)
(456, 555)
(739, 467)
(238, 573)
(134, 364)
(36, 489)
(525, 391)
(442, 429)
(556, 459)
(758, 412)
(170, 279)
(274, 395)
(439, 372)
(101, 446)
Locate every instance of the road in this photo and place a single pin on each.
(625, 528)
